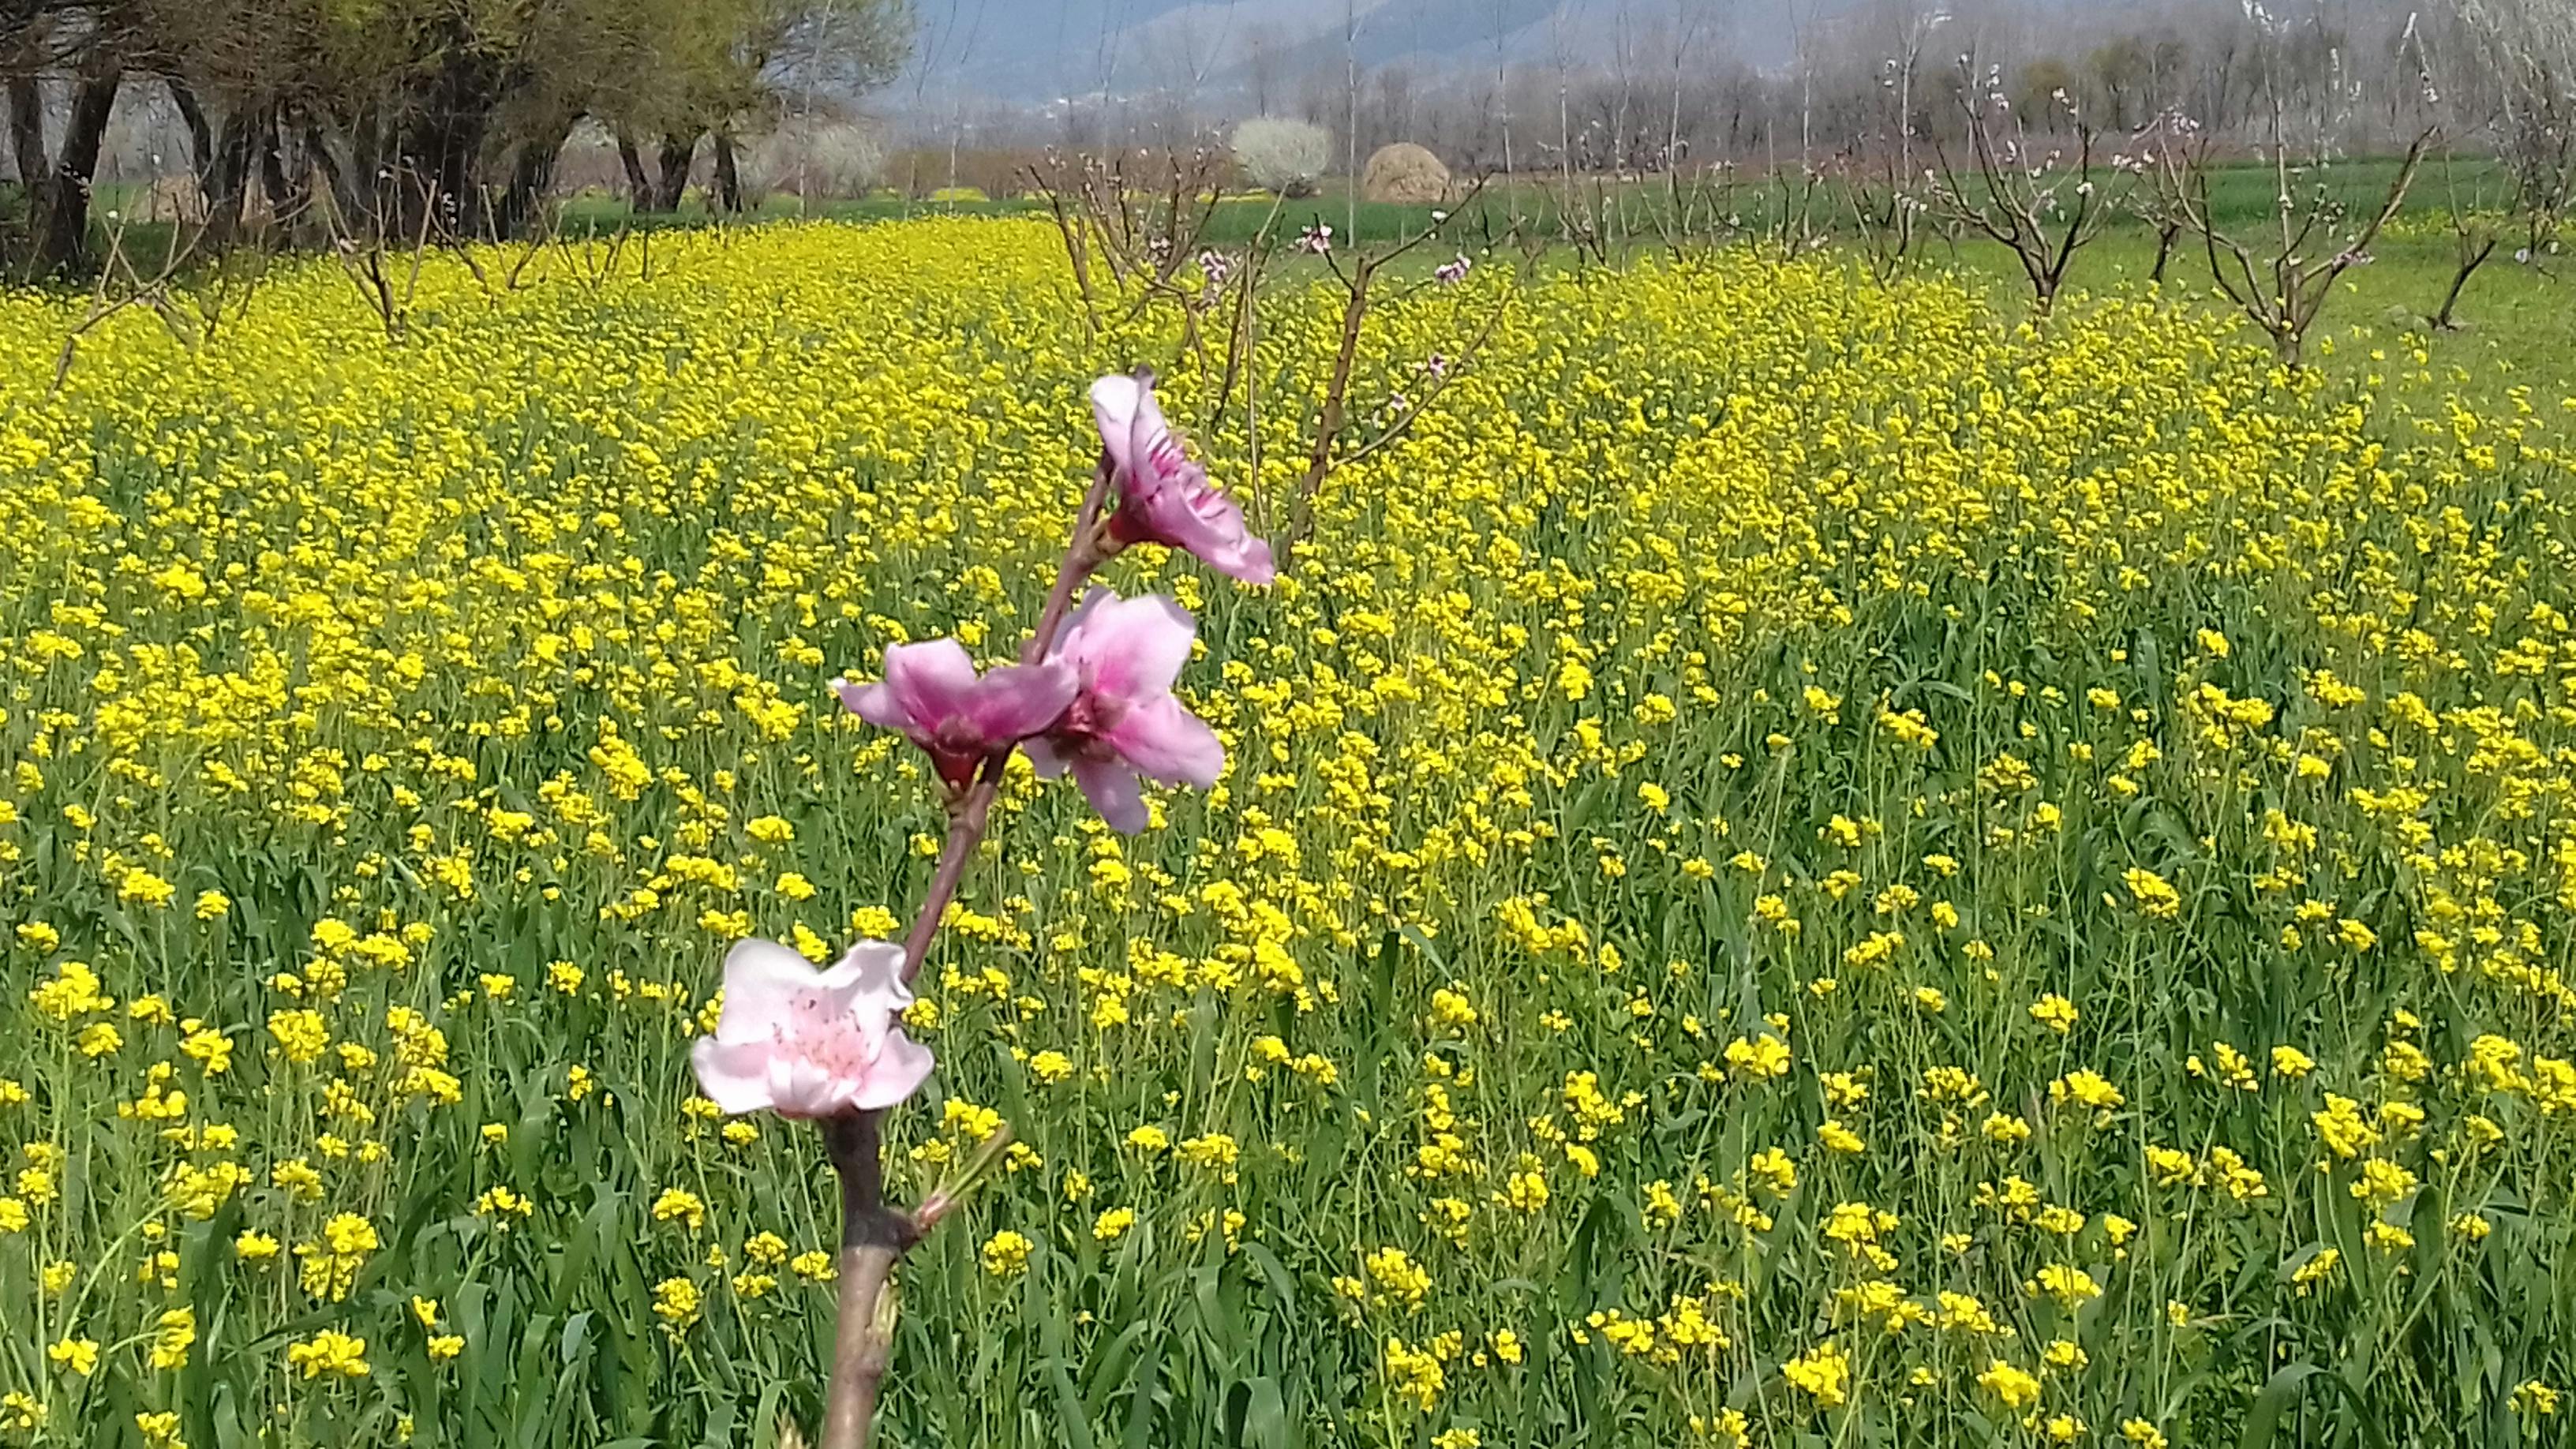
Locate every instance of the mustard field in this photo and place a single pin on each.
(1799, 864)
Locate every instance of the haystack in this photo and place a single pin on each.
(1406, 174)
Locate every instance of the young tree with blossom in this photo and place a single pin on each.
(1090, 696)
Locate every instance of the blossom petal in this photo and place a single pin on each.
(1164, 741)
(1114, 404)
(733, 1075)
(802, 1087)
(933, 681)
(1018, 700)
(869, 969)
(1110, 785)
(1044, 757)
(901, 1066)
(1206, 523)
(1248, 561)
(874, 703)
(1154, 455)
(762, 980)
(1129, 648)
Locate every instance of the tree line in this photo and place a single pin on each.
(1647, 86)
(409, 119)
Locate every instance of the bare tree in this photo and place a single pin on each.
(2028, 193)
(1880, 187)
(2527, 49)
(1261, 66)
(2282, 278)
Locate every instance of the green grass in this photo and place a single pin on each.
(1739, 651)
(2516, 323)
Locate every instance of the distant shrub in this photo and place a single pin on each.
(817, 157)
(1283, 156)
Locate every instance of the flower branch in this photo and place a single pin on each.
(1091, 696)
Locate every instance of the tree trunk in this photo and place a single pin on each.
(273, 182)
(348, 193)
(370, 179)
(532, 172)
(201, 135)
(639, 187)
(27, 138)
(728, 178)
(228, 187)
(434, 190)
(2469, 264)
(62, 239)
(679, 152)
(435, 181)
(2165, 238)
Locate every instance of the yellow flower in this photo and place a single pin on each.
(76, 1355)
(328, 1352)
(679, 1205)
(1758, 1057)
(1006, 1253)
(1415, 1375)
(675, 1301)
(2154, 894)
(172, 1337)
(1823, 1373)
(2054, 1012)
(2015, 1388)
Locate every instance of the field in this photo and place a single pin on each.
(1801, 864)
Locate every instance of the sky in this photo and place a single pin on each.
(1037, 52)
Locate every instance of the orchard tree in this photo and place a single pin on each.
(2527, 50)
(424, 119)
(85, 46)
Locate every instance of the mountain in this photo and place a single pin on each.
(1036, 52)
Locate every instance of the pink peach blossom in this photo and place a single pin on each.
(808, 1043)
(930, 694)
(1124, 721)
(1163, 497)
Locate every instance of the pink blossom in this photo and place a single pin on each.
(1124, 722)
(808, 1043)
(1163, 497)
(930, 693)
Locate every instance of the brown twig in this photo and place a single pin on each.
(873, 1236)
(153, 294)
(1329, 419)
(972, 810)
